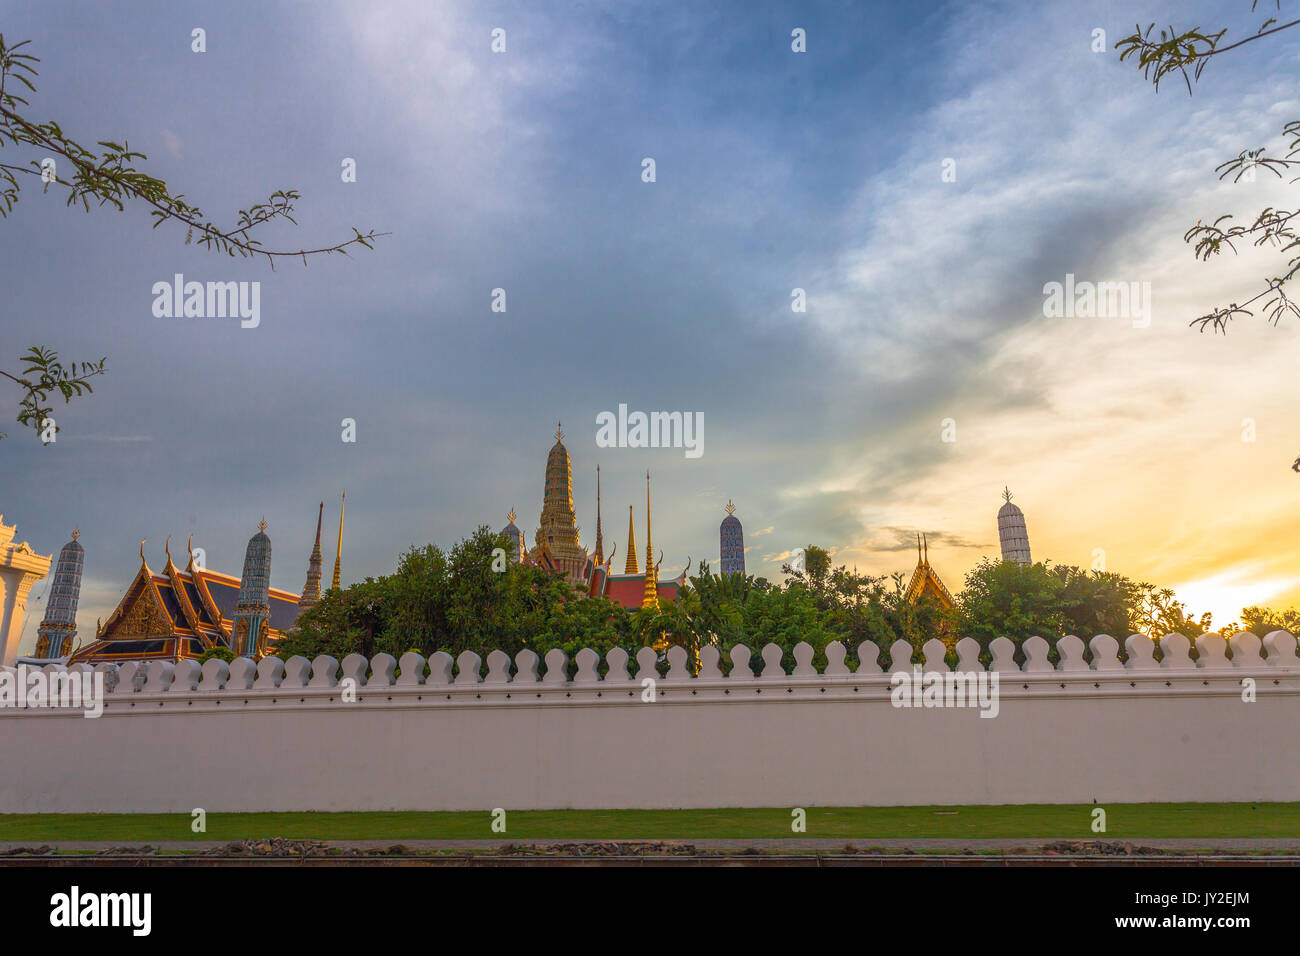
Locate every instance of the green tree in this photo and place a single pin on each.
(1098, 602)
(220, 653)
(1013, 600)
(454, 602)
(1264, 621)
(1187, 54)
(1162, 613)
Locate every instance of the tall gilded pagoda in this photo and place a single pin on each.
(59, 626)
(556, 542)
(557, 546)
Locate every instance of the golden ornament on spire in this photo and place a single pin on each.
(731, 509)
(1006, 494)
(75, 532)
(261, 525)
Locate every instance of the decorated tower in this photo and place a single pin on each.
(253, 609)
(557, 535)
(732, 542)
(311, 590)
(54, 638)
(515, 550)
(1012, 532)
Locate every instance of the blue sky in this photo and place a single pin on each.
(775, 170)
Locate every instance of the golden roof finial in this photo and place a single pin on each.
(189, 544)
(559, 431)
(1006, 494)
(261, 525)
(75, 532)
(512, 515)
(731, 509)
(142, 541)
(167, 548)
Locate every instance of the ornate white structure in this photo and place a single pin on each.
(20, 568)
(770, 731)
(1012, 532)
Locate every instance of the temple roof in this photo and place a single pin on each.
(174, 614)
(629, 589)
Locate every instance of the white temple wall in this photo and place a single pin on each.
(277, 737)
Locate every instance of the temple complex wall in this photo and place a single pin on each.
(528, 734)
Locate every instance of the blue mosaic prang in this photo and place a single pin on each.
(54, 637)
(732, 540)
(253, 609)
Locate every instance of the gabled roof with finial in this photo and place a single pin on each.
(173, 614)
(925, 582)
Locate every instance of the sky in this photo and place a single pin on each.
(922, 379)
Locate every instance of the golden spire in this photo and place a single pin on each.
(731, 509)
(261, 525)
(512, 515)
(631, 566)
(1006, 494)
(926, 542)
(600, 539)
(651, 598)
(559, 432)
(75, 532)
(338, 552)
